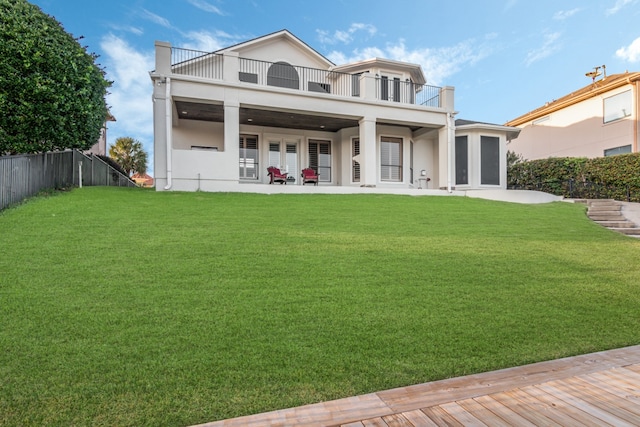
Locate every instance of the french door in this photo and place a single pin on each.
(283, 154)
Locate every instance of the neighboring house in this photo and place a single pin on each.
(222, 118)
(100, 147)
(143, 180)
(601, 119)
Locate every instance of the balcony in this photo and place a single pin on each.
(231, 68)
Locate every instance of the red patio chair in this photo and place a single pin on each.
(276, 175)
(309, 175)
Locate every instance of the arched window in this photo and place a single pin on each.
(282, 74)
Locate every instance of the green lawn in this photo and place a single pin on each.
(131, 307)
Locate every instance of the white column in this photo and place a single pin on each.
(369, 162)
(231, 135)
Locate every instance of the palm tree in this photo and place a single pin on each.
(129, 154)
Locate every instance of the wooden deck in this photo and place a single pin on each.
(598, 389)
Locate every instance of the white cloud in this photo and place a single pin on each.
(345, 36)
(207, 41)
(630, 53)
(549, 47)
(130, 96)
(618, 6)
(564, 14)
(156, 19)
(207, 7)
(438, 64)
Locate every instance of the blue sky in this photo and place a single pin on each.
(504, 57)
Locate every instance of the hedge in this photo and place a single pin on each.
(615, 177)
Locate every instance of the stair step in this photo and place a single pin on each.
(617, 217)
(616, 208)
(635, 231)
(616, 224)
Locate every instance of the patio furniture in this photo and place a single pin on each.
(276, 176)
(309, 175)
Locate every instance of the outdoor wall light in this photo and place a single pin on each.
(423, 172)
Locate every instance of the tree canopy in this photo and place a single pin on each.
(130, 155)
(52, 92)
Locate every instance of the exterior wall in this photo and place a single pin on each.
(280, 50)
(197, 134)
(577, 131)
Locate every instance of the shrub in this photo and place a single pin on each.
(616, 177)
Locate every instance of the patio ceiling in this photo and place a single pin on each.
(258, 117)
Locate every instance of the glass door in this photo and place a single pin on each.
(283, 154)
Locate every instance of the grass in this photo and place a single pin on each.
(128, 307)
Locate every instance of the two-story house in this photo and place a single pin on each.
(600, 119)
(222, 118)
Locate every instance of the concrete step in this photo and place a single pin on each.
(603, 208)
(634, 231)
(616, 224)
(606, 217)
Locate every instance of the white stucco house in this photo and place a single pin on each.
(222, 118)
(599, 119)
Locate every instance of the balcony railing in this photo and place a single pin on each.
(196, 63)
(407, 92)
(281, 74)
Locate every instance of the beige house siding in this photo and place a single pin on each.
(575, 125)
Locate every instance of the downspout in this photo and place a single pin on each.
(169, 138)
(636, 119)
(450, 136)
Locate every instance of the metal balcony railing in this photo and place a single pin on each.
(196, 63)
(407, 92)
(281, 74)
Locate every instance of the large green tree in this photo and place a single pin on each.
(130, 155)
(52, 91)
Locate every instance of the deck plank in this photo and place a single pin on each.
(559, 390)
(526, 406)
(462, 415)
(611, 387)
(441, 417)
(397, 420)
(604, 400)
(419, 418)
(507, 414)
(568, 410)
(482, 413)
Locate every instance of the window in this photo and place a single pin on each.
(248, 77)
(355, 84)
(462, 160)
(411, 162)
(390, 89)
(320, 158)
(319, 87)
(618, 150)
(391, 159)
(274, 154)
(489, 160)
(617, 107)
(282, 74)
(355, 166)
(248, 157)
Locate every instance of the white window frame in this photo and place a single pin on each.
(391, 154)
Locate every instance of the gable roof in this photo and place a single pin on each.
(594, 89)
(284, 34)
